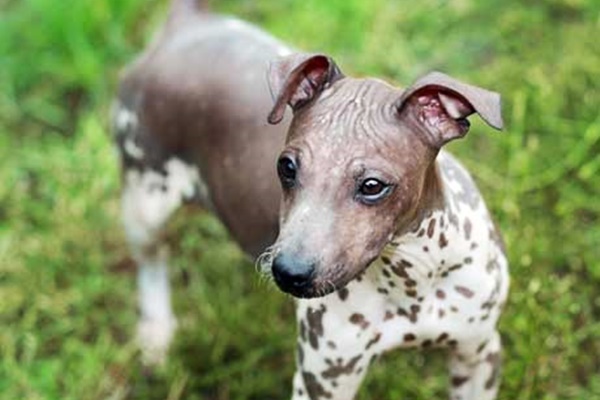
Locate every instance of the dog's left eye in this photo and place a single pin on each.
(287, 170)
(372, 190)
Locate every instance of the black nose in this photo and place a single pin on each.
(292, 274)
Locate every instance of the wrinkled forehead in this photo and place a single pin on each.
(350, 109)
(352, 119)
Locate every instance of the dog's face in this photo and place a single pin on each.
(358, 167)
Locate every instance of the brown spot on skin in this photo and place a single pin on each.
(443, 242)
(339, 368)
(488, 305)
(313, 387)
(373, 359)
(492, 265)
(455, 267)
(467, 227)
(331, 345)
(375, 339)
(386, 260)
(440, 294)
(400, 271)
(468, 293)
(314, 319)
(386, 273)
(411, 293)
(421, 233)
(442, 221)
(343, 293)
(300, 354)
(468, 260)
(425, 249)
(496, 238)
(458, 381)
(441, 338)
(426, 344)
(431, 228)
(383, 291)
(453, 219)
(481, 347)
(454, 309)
(409, 337)
(494, 359)
(410, 283)
(392, 284)
(388, 315)
(360, 320)
(452, 343)
(471, 320)
(441, 313)
(302, 331)
(412, 315)
(406, 263)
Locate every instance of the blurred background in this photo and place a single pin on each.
(67, 285)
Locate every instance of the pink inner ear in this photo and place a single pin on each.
(443, 114)
(431, 111)
(437, 107)
(313, 75)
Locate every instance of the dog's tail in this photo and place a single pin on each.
(180, 9)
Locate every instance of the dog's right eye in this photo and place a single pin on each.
(372, 190)
(287, 170)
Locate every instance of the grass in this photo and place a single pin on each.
(67, 305)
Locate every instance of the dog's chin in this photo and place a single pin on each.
(317, 288)
(310, 292)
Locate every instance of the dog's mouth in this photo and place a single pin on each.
(306, 282)
(317, 285)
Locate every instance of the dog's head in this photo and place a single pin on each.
(358, 165)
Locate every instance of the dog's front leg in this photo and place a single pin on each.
(145, 212)
(149, 199)
(475, 369)
(335, 348)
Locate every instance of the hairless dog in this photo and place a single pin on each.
(348, 201)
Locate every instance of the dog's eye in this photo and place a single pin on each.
(287, 169)
(372, 190)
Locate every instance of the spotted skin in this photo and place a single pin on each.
(438, 294)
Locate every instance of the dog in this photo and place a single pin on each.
(348, 201)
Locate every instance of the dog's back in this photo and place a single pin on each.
(199, 95)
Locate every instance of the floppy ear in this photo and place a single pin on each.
(442, 104)
(297, 79)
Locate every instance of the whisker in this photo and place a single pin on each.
(265, 260)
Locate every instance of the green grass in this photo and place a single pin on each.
(67, 303)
